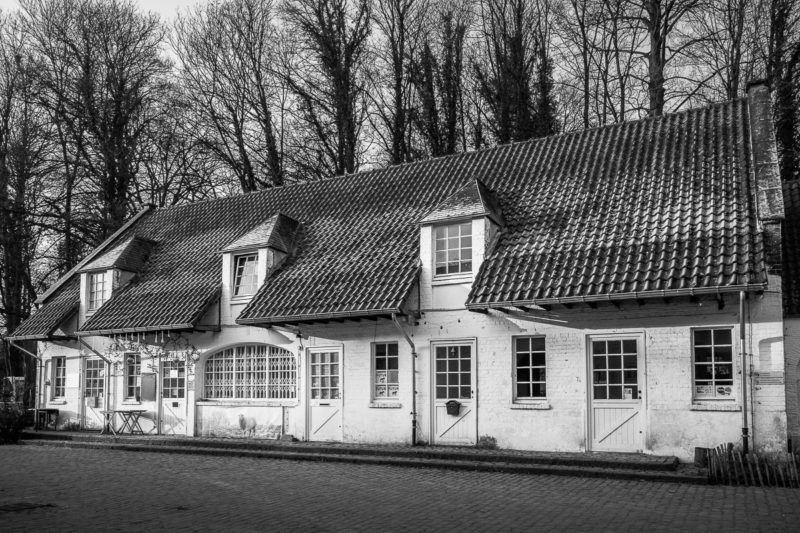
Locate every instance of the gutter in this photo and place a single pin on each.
(666, 293)
(317, 316)
(142, 329)
(413, 379)
(97, 251)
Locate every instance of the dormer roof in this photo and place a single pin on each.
(473, 200)
(129, 255)
(276, 232)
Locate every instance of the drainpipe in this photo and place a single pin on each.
(37, 399)
(160, 395)
(743, 353)
(413, 379)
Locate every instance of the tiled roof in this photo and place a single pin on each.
(129, 255)
(43, 322)
(278, 232)
(657, 207)
(472, 200)
(791, 248)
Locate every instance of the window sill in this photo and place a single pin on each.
(57, 402)
(131, 402)
(460, 279)
(532, 406)
(385, 405)
(248, 403)
(726, 407)
(238, 300)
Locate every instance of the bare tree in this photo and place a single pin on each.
(438, 79)
(400, 25)
(226, 58)
(102, 62)
(327, 77)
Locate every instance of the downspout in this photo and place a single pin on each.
(107, 402)
(37, 400)
(413, 379)
(743, 354)
(160, 395)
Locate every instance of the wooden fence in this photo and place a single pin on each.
(730, 467)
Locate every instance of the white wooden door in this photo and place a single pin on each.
(173, 397)
(325, 394)
(454, 379)
(616, 411)
(94, 382)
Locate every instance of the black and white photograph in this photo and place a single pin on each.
(400, 265)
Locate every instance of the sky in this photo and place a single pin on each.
(165, 8)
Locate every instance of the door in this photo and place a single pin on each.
(94, 381)
(325, 394)
(173, 397)
(454, 381)
(617, 380)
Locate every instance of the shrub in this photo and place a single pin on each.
(12, 420)
(488, 442)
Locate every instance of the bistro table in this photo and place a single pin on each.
(130, 421)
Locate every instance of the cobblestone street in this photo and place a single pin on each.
(51, 488)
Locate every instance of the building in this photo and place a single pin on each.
(597, 290)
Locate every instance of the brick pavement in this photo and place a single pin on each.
(102, 490)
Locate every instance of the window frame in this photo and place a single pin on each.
(59, 379)
(733, 396)
(236, 278)
(279, 371)
(134, 386)
(374, 371)
(94, 378)
(447, 251)
(96, 290)
(516, 398)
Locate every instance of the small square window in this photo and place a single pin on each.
(712, 358)
(245, 274)
(530, 372)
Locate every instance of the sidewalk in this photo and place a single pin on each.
(596, 464)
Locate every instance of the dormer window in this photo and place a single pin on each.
(245, 274)
(453, 249)
(97, 290)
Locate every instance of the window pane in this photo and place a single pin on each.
(723, 354)
(703, 371)
(702, 355)
(465, 392)
(539, 390)
(615, 347)
(629, 361)
(629, 346)
(523, 344)
(523, 374)
(614, 393)
(537, 344)
(523, 359)
(380, 363)
(615, 377)
(600, 393)
(599, 377)
(441, 392)
(599, 362)
(598, 347)
(391, 348)
(702, 337)
(722, 336)
(523, 390)
(614, 361)
(538, 359)
(538, 374)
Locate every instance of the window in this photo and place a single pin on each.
(713, 363)
(453, 249)
(530, 374)
(453, 372)
(252, 371)
(245, 275)
(97, 288)
(59, 376)
(324, 375)
(386, 378)
(173, 379)
(615, 369)
(94, 380)
(133, 376)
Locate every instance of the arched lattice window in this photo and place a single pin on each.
(251, 371)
